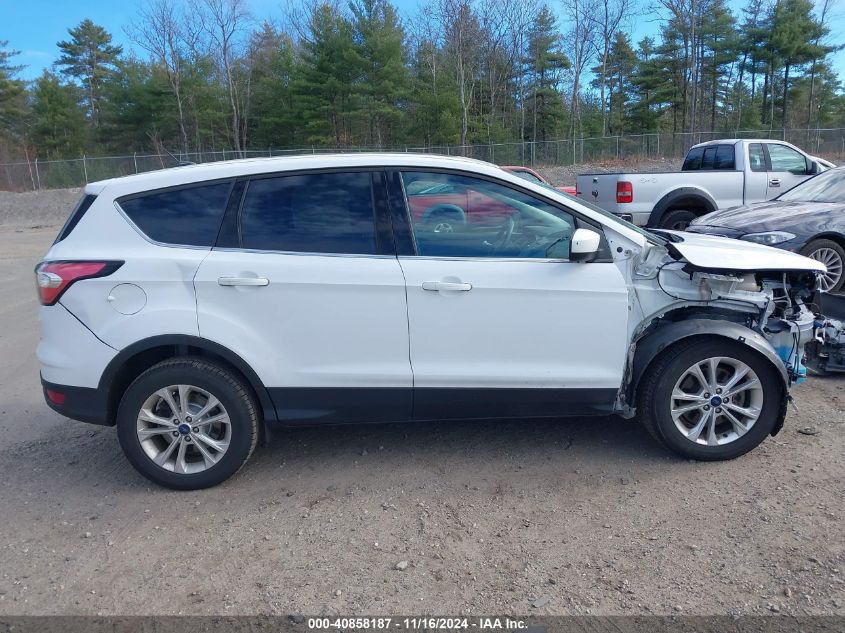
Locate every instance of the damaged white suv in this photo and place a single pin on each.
(191, 306)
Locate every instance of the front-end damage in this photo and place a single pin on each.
(765, 308)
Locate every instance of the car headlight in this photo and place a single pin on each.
(769, 238)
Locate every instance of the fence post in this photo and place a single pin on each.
(135, 160)
(617, 147)
(37, 174)
(85, 169)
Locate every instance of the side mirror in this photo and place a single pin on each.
(814, 168)
(584, 246)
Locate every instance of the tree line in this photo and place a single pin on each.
(204, 75)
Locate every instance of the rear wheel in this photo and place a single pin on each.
(711, 399)
(677, 220)
(832, 255)
(188, 423)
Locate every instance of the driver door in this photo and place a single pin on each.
(501, 323)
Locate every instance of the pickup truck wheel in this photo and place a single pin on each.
(711, 400)
(188, 423)
(831, 255)
(677, 220)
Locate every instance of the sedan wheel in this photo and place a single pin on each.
(832, 256)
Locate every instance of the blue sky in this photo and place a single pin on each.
(34, 26)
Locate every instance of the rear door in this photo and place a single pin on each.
(304, 284)
(787, 167)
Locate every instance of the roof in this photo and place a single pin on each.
(249, 166)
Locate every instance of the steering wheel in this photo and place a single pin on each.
(503, 237)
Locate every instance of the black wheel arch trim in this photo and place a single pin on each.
(678, 194)
(186, 341)
(667, 334)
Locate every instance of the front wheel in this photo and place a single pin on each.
(188, 423)
(711, 400)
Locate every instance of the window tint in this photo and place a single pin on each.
(724, 157)
(189, 215)
(310, 213)
(460, 216)
(787, 159)
(709, 157)
(693, 159)
(75, 216)
(756, 159)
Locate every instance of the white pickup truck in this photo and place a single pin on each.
(715, 175)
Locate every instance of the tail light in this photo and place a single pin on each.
(624, 192)
(53, 278)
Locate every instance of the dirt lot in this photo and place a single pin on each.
(575, 517)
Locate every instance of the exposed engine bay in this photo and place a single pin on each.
(770, 310)
(826, 352)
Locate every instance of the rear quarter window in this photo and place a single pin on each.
(187, 216)
(75, 216)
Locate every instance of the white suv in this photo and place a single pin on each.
(191, 306)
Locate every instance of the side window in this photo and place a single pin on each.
(188, 216)
(756, 159)
(787, 159)
(709, 158)
(693, 160)
(461, 216)
(310, 213)
(724, 157)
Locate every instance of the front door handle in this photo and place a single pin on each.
(774, 182)
(446, 285)
(243, 281)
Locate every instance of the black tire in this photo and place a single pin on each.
(231, 391)
(677, 220)
(655, 397)
(831, 248)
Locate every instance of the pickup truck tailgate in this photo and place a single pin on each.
(600, 189)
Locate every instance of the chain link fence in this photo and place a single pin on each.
(29, 175)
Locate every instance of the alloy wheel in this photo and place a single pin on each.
(832, 260)
(184, 429)
(716, 401)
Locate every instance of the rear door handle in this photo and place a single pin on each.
(243, 281)
(446, 285)
(774, 182)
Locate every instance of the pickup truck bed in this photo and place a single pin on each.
(716, 175)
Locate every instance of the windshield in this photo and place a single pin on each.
(526, 175)
(828, 186)
(651, 237)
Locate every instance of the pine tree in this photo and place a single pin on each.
(379, 44)
(795, 37)
(326, 83)
(90, 57)
(12, 95)
(544, 63)
(58, 123)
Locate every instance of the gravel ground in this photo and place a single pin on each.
(579, 516)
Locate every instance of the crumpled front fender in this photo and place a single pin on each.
(664, 334)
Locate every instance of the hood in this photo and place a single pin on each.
(774, 215)
(722, 253)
